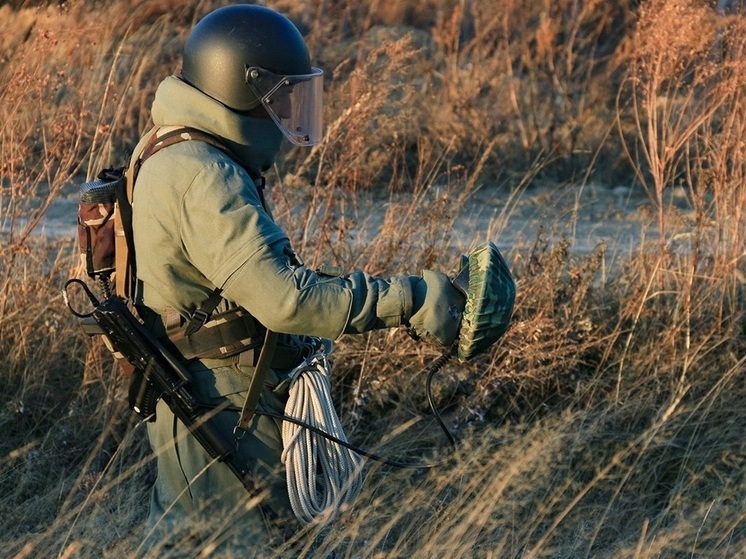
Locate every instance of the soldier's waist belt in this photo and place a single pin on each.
(227, 334)
(233, 335)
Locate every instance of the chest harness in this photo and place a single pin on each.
(202, 335)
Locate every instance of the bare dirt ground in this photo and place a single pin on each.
(622, 218)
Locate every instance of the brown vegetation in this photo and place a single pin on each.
(608, 422)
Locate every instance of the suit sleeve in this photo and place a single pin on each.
(232, 241)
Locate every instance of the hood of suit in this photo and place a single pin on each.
(255, 142)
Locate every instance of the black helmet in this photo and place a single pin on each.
(245, 55)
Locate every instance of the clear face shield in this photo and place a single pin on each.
(293, 102)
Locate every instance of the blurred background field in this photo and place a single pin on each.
(601, 145)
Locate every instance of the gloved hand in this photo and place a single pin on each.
(437, 307)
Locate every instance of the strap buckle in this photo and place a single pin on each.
(238, 433)
(196, 321)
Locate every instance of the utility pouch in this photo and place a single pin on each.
(96, 214)
(224, 335)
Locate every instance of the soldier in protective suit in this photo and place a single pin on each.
(201, 227)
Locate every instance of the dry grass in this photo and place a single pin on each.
(607, 423)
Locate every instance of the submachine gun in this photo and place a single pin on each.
(157, 374)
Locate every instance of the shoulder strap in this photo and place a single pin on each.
(159, 138)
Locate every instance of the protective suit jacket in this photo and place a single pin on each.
(199, 223)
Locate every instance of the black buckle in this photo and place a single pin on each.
(196, 321)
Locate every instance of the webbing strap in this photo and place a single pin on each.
(257, 382)
(170, 135)
(201, 315)
(227, 334)
(218, 342)
(157, 139)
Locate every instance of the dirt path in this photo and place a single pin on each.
(620, 217)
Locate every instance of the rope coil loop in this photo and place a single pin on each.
(322, 475)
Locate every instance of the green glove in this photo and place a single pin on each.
(436, 310)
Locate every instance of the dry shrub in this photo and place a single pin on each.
(533, 75)
(685, 84)
(63, 411)
(524, 80)
(70, 77)
(555, 337)
(375, 101)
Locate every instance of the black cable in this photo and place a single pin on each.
(350, 446)
(434, 368)
(437, 365)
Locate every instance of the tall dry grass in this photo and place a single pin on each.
(607, 423)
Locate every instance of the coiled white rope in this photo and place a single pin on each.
(321, 474)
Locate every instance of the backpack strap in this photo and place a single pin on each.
(158, 139)
(126, 267)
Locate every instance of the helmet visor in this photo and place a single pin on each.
(293, 102)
